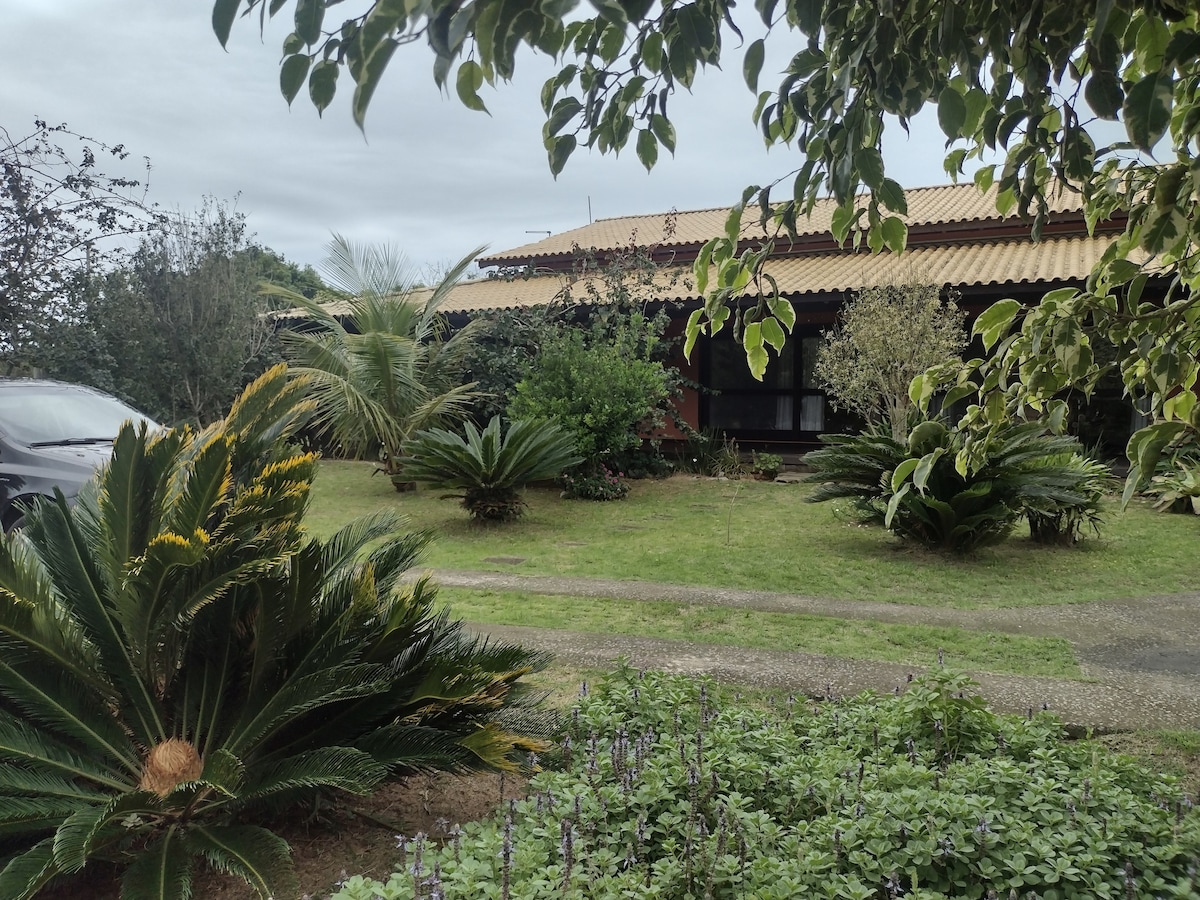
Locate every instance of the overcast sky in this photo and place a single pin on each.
(430, 176)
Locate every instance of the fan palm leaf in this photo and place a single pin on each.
(389, 373)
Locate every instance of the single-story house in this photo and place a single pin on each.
(956, 238)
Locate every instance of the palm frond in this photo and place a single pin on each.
(405, 748)
(17, 780)
(65, 707)
(83, 591)
(77, 839)
(26, 745)
(366, 269)
(29, 872)
(254, 854)
(444, 287)
(343, 768)
(162, 871)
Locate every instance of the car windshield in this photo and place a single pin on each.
(53, 414)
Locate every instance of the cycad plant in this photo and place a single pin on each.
(385, 369)
(1064, 495)
(174, 656)
(491, 466)
(915, 489)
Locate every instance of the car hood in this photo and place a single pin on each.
(84, 456)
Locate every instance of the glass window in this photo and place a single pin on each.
(812, 412)
(750, 412)
(808, 361)
(729, 372)
(788, 401)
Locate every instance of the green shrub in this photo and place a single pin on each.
(915, 489)
(506, 345)
(646, 461)
(601, 485)
(605, 396)
(664, 787)
(174, 657)
(491, 466)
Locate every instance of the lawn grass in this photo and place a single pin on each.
(915, 645)
(763, 536)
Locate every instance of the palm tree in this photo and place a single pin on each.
(390, 371)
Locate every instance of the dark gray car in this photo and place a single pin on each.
(53, 435)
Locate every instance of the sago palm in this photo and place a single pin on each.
(175, 655)
(389, 370)
(914, 488)
(491, 466)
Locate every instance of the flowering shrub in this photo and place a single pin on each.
(661, 787)
(601, 485)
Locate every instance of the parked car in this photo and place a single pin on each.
(53, 435)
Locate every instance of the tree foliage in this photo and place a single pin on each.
(885, 337)
(175, 655)
(58, 212)
(507, 344)
(199, 281)
(1033, 85)
(177, 327)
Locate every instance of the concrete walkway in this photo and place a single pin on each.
(1140, 658)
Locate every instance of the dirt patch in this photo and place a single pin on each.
(356, 836)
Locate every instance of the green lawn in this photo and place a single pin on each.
(916, 645)
(763, 536)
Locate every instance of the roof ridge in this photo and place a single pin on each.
(962, 185)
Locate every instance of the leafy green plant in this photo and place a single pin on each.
(1178, 489)
(604, 394)
(389, 371)
(175, 656)
(765, 466)
(506, 345)
(885, 337)
(491, 466)
(646, 461)
(602, 485)
(668, 787)
(916, 490)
